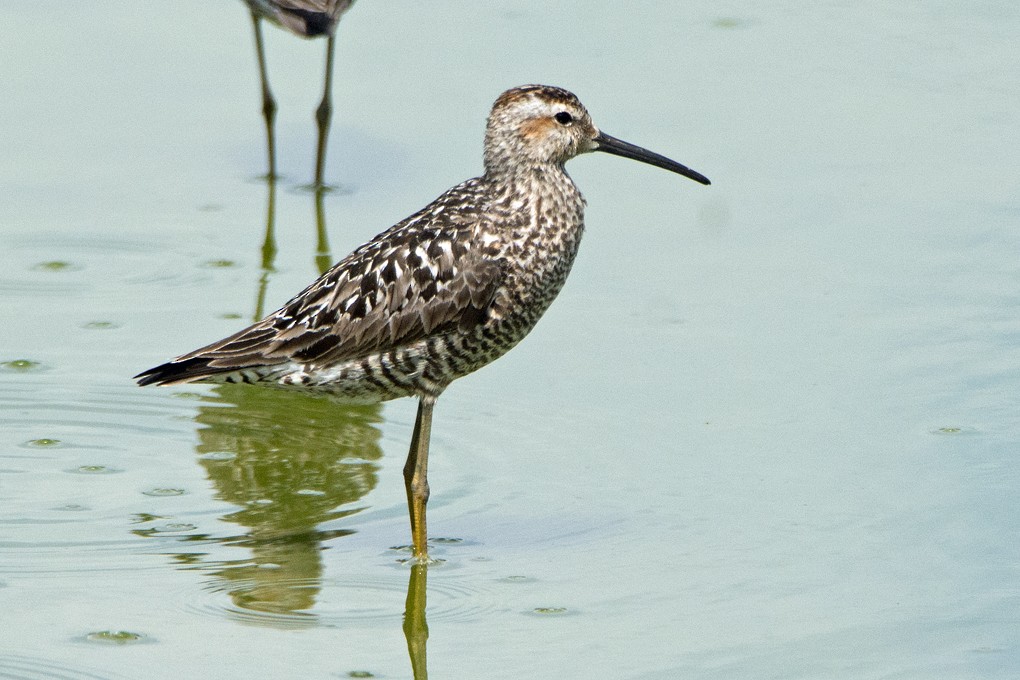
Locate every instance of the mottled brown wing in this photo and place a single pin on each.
(408, 283)
(388, 297)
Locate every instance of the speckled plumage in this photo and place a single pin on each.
(442, 293)
(429, 300)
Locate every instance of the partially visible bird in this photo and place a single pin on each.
(441, 293)
(308, 19)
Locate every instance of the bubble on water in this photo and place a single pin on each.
(21, 365)
(94, 470)
(43, 443)
(516, 578)
(55, 266)
(549, 611)
(71, 507)
(164, 491)
(115, 637)
(219, 264)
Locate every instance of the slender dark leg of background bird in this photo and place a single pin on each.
(416, 629)
(416, 477)
(323, 259)
(268, 103)
(324, 113)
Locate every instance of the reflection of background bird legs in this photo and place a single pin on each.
(306, 22)
(268, 248)
(323, 258)
(416, 629)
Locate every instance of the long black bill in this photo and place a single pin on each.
(618, 147)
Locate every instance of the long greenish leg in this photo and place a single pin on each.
(416, 478)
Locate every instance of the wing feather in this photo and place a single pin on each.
(427, 273)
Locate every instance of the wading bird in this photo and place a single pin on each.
(308, 19)
(440, 294)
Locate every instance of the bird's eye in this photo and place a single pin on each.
(564, 118)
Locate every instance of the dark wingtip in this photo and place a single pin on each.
(155, 376)
(146, 378)
(173, 372)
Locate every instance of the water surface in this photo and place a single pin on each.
(769, 429)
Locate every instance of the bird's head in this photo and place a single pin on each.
(536, 125)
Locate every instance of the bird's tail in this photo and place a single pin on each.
(180, 371)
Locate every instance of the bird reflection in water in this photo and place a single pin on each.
(323, 258)
(307, 19)
(290, 463)
(416, 629)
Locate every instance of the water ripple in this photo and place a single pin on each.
(18, 667)
(333, 602)
(103, 411)
(60, 558)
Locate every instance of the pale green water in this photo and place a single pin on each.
(769, 429)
